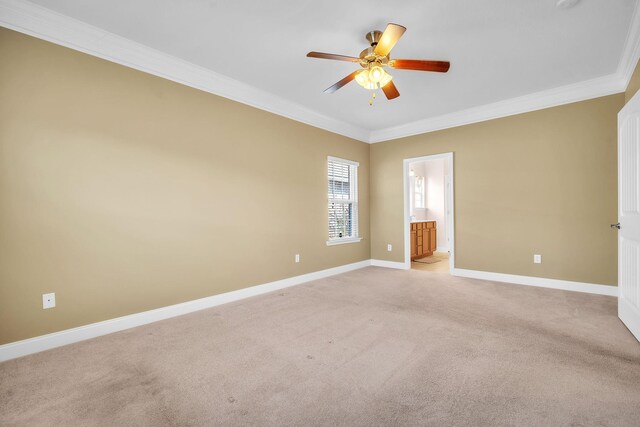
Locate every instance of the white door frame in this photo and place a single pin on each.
(449, 203)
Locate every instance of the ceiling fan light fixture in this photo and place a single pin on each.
(374, 78)
(376, 73)
(362, 78)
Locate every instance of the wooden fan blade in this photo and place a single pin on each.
(420, 65)
(342, 82)
(323, 55)
(390, 90)
(389, 38)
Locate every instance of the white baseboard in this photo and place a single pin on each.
(81, 333)
(389, 264)
(566, 285)
(70, 336)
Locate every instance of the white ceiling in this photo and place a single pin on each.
(499, 49)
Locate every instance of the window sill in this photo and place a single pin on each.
(343, 240)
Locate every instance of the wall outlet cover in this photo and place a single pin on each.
(48, 300)
(389, 247)
(297, 258)
(537, 259)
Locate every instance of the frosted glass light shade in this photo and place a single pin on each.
(363, 78)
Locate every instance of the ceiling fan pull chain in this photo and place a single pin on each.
(373, 96)
(376, 86)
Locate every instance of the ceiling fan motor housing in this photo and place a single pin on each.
(373, 37)
(368, 57)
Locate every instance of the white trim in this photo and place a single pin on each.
(343, 241)
(46, 24)
(450, 205)
(589, 89)
(631, 51)
(70, 336)
(580, 91)
(341, 160)
(389, 264)
(542, 282)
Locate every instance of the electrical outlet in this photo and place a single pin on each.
(297, 257)
(537, 259)
(48, 300)
(389, 247)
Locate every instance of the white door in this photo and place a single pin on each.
(629, 215)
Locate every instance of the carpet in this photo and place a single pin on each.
(427, 260)
(371, 347)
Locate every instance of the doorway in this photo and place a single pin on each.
(428, 213)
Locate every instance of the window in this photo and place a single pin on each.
(419, 192)
(342, 200)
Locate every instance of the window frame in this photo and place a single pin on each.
(420, 192)
(353, 200)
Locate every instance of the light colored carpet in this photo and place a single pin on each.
(371, 347)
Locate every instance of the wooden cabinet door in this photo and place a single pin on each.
(423, 239)
(414, 246)
(432, 240)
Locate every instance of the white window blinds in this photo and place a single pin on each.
(342, 198)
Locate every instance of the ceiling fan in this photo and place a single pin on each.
(373, 60)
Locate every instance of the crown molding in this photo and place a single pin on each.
(589, 89)
(631, 52)
(37, 21)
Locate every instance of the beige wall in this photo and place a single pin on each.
(123, 192)
(634, 84)
(541, 182)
